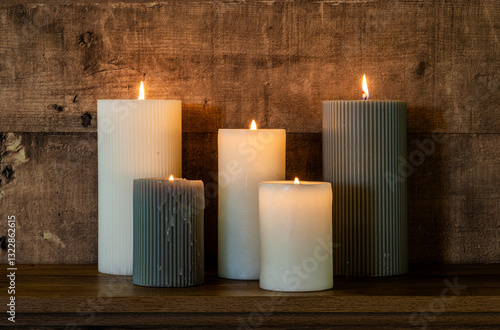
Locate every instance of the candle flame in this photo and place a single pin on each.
(296, 181)
(171, 178)
(141, 91)
(365, 89)
(253, 126)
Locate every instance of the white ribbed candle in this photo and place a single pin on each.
(246, 157)
(136, 139)
(363, 143)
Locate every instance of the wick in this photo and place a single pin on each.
(365, 96)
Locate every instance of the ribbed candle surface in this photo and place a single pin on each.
(136, 139)
(363, 145)
(168, 232)
(246, 157)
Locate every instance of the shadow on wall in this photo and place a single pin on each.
(427, 211)
(200, 124)
(304, 154)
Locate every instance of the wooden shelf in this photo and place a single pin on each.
(58, 295)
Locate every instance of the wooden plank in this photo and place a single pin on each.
(428, 270)
(246, 304)
(53, 195)
(454, 198)
(120, 287)
(266, 319)
(274, 61)
(461, 295)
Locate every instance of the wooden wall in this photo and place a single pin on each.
(234, 61)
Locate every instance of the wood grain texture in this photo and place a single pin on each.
(230, 62)
(274, 61)
(85, 297)
(452, 205)
(270, 321)
(53, 195)
(453, 198)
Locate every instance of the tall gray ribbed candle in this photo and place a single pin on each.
(168, 232)
(363, 144)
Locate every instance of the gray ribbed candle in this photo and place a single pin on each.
(363, 145)
(168, 232)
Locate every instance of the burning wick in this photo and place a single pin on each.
(141, 91)
(365, 94)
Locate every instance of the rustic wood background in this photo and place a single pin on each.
(230, 62)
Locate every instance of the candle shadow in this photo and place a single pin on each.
(428, 209)
(201, 118)
(200, 124)
(304, 156)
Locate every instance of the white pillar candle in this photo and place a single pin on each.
(246, 157)
(136, 139)
(296, 236)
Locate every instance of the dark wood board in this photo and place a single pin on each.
(458, 296)
(266, 321)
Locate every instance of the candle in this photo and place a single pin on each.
(296, 234)
(136, 138)
(168, 232)
(246, 157)
(363, 141)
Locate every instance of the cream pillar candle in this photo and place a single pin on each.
(296, 236)
(246, 157)
(363, 143)
(136, 139)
